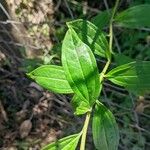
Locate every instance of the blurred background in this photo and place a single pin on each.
(31, 33)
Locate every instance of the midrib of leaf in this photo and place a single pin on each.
(103, 129)
(73, 81)
(122, 83)
(105, 136)
(124, 76)
(94, 90)
(116, 70)
(102, 122)
(123, 67)
(112, 123)
(58, 79)
(136, 76)
(111, 120)
(72, 141)
(50, 66)
(55, 80)
(81, 69)
(127, 84)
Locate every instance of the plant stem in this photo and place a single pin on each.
(111, 26)
(104, 70)
(84, 131)
(110, 41)
(87, 119)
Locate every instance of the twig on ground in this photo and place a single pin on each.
(3, 112)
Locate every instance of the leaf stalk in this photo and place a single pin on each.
(111, 26)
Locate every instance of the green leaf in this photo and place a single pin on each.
(80, 67)
(134, 76)
(80, 107)
(104, 128)
(102, 19)
(51, 78)
(67, 143)
(122, 59)
(91, 35)
(134, 17)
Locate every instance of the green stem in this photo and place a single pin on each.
(84, 131)
(88, 115)
(110, 41)
(104, 70)
(111, 26)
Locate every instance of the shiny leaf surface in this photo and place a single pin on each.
(91, 35)
(104, 128)
(80, 67)
(51, 78)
